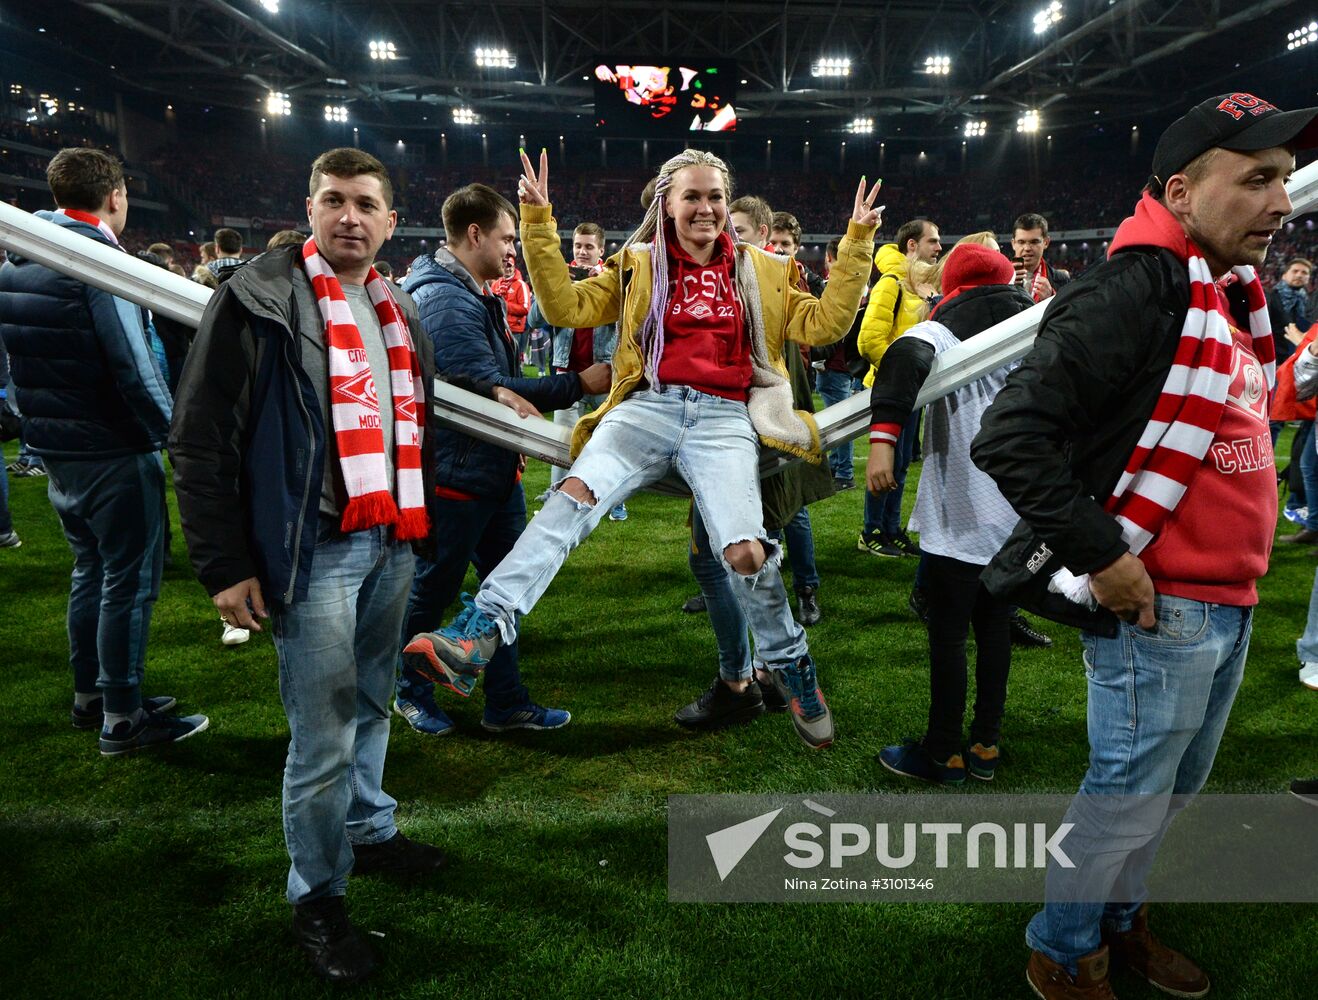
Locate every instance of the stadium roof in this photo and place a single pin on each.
(1069, 59)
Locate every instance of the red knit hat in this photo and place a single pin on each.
(970, 265)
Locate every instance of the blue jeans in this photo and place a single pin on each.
(1309, 473)
(1307, 646)
(838, 387)
(337, 650)
(1158, 703)
(710, 443)
(568, 417)
(800, 540)
(1302, 444)
(884, 513)
(477, 533)
(721, 604)
(110, 510)
(6, 519)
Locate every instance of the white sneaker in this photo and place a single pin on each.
(1309, 675)
(234, 636)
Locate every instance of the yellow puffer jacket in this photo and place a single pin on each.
(788, 313)
(880, 327)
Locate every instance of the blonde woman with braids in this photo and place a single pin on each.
(698, 384)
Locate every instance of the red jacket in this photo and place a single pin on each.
(516, 294)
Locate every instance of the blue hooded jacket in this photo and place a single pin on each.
(84, 377)
(471, 339)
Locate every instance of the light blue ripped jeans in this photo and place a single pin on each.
(710, 443)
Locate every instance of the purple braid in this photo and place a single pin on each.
(652, 330)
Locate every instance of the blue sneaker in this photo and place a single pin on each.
(456, 654)
(913, 760)
(418, 708)
(1296, 515)
(528, 716)
(799, 687)
(619, 513)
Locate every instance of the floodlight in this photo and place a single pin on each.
(1028, 122)
(976, 130)
(383, 50)
(1047, 17)
(277, 103)
(495, 58)
(336, 113)
(861, 126)
(831, 67)
(938, 65)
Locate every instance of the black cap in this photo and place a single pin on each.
(1230, 121)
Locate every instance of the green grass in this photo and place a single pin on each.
(162, 874)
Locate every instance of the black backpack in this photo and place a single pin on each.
(857, 363)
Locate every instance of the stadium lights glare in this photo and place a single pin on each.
(975, 130)
(831, 67)
(464, 116)
(938, 65)
(1302, 36)
(496, 58)
(861, 126)
(15, 89)
(383, 50)
(1028, 122)
(336, 113)
(1047, 17)
(277, 103)
(271, 6)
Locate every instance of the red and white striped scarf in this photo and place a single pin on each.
(355, 407)
(91, 220)
(1185, 419)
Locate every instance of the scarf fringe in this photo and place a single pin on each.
(368, 510)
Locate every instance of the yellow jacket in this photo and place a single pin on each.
(880, 327)
(787, 314)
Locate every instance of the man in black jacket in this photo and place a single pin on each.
(266, 473)
(1029, 242)
(1139, 506)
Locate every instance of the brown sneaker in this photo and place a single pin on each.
(1052, 982)
(1146, 956)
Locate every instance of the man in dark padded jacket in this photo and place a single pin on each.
(1133, 439)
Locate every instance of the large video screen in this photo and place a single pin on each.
(668, 98)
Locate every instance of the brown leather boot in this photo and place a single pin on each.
(1146, 956)
(1052, 982)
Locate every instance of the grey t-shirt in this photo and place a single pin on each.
(312, 337)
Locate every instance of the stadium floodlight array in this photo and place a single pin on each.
(831, 67)
(1047, 17)
(1302, 36)
(496, 58)
(1028, 122)
(383, 50)
(277, 103)
(336, 113)
(976, 130)
(172, 295)
(271, 6)
(861, 126)
(938, 65)
(15, 90)
(465, 116)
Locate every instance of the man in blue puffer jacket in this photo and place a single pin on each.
(477, 485)
(97, 410)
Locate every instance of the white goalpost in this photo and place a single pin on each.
(171, 295)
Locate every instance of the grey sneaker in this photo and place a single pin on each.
(457, 653)
(799, 687)
(10, 540)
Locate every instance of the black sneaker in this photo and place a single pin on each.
(93, 716)
(774, 700)
(398, 856)
(1025, 634)
(807, 605)
(877, 543)
(901, 541)
(153, 731)
(840, 485)
(336, 950)
(694, 605)
(1306, 790)
(719, 706)
(918, 602)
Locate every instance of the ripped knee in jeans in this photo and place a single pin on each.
(748, 556)
(578, 491)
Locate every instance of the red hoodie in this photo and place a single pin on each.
(1216, 543)
(705, 342)
(517, 296)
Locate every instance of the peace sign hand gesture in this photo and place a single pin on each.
(533, 188)
(863, 211)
